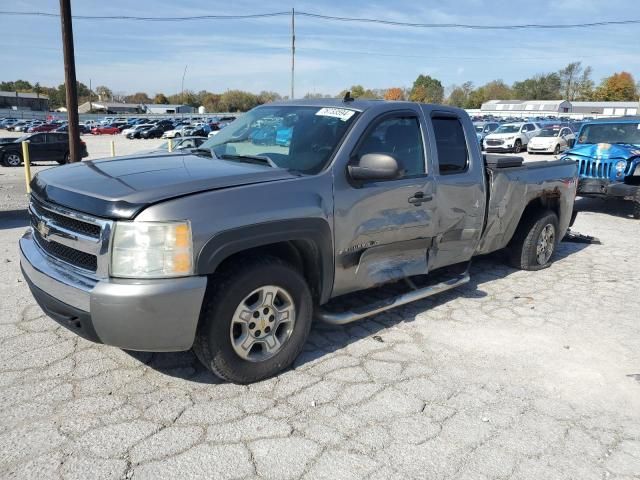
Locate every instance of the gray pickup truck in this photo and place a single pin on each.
(234, 248)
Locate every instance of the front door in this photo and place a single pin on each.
(383, 229)
(38, 147)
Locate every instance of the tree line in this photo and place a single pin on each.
(574, 82)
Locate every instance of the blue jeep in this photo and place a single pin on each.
(608, 155)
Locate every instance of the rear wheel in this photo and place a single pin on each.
(256, 320)
(65, 159)
(534, 242)
(12, 159)
(517, 146)
(636, 204)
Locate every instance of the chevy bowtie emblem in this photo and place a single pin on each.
(43, 229)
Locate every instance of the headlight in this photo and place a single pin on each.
(510, 138)
(621, 166)
(152, 250)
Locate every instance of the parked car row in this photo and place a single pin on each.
(534, 137)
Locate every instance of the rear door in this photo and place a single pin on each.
(58, 145)
(383, 229)
(461, 188)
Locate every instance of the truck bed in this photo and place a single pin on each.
(512, 187)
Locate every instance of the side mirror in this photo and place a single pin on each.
(375, 166)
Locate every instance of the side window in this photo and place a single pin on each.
(37, 139)
(451, 144)
(399, 137)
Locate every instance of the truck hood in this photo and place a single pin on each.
(606, 151)
(501, 136)
(123, 187)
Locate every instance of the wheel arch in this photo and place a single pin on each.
(305, 243)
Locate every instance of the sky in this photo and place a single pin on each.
(254, 55)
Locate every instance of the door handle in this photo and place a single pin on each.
(419, 198)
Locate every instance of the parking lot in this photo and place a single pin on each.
(515, 375)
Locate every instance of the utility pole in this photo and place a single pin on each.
(70, 80)
(90, 106)
(293, 49)
(182, 88)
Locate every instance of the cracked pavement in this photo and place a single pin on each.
(517, 375)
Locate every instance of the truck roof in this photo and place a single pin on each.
(626, 119)
(358, 105)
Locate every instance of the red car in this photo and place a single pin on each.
(45, 127)
(105, 130)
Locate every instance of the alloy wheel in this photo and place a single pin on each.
(546, 244)
(262, 323)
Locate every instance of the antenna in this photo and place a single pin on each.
(348, 97)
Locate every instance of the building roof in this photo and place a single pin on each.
(606, 104)
(164, 105)
(24, 95)
(521, 102)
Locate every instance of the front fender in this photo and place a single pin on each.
(315, 231)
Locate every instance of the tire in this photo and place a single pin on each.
(535, 241)
(12, 159)
(177, 135)
(65, 160)
(636, 204)
(245, 288)
(556, 151)
(517, 146)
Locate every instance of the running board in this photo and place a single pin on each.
(353, 315)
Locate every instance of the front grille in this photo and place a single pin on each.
(594, 168)
(74, 238)
(79, 259)
(69, 223)
(494, 142)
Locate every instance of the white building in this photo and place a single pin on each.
(558, 108)
(156, 109)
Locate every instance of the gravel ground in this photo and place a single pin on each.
(516, 375)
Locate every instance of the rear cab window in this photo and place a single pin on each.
(451, 145)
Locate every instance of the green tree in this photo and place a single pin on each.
(138, 97)
(539, 87)
(585, 85)
(237, 101)
(427, 89)
(459, 95)
(268, 97)
(160, 99)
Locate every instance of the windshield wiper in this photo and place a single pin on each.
(204, 151)
(257, 159)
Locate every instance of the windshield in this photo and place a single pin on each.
(479, 128)
(549, 132)
(508, 129)
(292, 137)
(610, 133)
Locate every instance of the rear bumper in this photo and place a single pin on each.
(600, 187)
(149, 315)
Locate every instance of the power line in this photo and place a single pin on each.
(556, 26)
(468, 26)
(150, 19)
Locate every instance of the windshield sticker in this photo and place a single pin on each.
(341, 113)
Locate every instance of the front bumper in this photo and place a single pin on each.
(540, 149)
(600, 187)
(498, 148)
(150, 315)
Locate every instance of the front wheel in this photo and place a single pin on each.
(534, 242)
(12, 159)
(256, 320)
(517, 146)
(556, 151)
